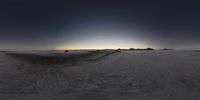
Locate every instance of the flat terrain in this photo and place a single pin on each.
(129, 75)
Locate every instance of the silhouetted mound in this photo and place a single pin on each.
(149, 49)
(118, 50)
(66, 51)
(132, 49)
(98, 50)
(140, 49)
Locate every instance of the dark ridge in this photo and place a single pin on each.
(2, 51)
(51, 59)
(101, 57)
(60, 58)
(196, 50)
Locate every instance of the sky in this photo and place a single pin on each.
(82, 24)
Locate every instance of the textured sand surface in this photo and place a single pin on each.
(130, 75)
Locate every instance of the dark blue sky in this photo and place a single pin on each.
(32, 24)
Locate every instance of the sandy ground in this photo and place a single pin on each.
(129, 75)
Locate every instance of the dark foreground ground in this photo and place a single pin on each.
(129, 75)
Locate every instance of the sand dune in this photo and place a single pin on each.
(129, 75)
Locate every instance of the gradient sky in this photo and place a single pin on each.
(39, 24)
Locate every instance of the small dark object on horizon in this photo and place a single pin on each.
(66, 51)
